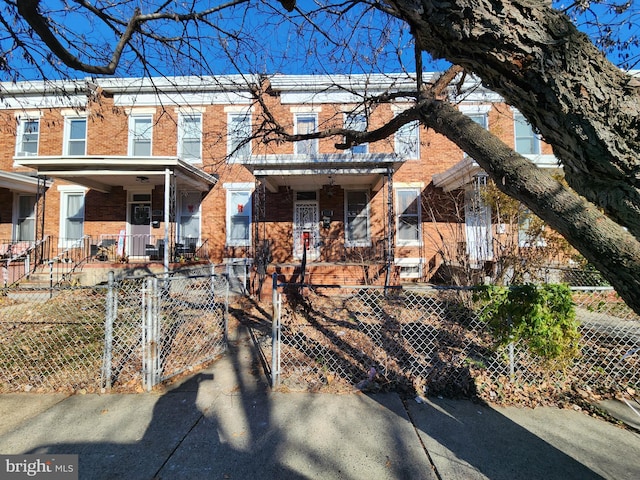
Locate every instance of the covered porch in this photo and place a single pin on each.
(135, 216)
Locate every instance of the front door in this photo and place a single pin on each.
(306, 229)
(139, 228)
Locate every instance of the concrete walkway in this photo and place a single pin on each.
(224, 423)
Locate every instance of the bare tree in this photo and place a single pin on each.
(528, 52)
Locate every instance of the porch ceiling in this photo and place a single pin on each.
(309, 172)
(104, 173)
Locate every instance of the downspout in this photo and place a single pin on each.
(167, 218)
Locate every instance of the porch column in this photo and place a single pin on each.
(167, 219)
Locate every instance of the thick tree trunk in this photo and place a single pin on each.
(532, 55)
(607, 245)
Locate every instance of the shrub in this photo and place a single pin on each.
(541, 316)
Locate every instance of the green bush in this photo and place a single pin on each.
(541, 316)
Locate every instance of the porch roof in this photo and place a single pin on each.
(102, 173)
(19, 182)
(463, 172)
(310, 171)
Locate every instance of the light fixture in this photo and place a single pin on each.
(142, 179)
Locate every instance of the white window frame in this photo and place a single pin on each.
(17, 217)
(133, 137)
(184, 134)
(306, 147)
(417, 196)
(237, 133)
(362, 242)
(407, 141)
(411, 263)
(357, 121)
(232, 210)
(520, 120)
(20, 137)
(181, 215)
(67, 135)
(65, 192)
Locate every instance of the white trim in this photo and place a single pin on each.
(420, 185)
(74, 112)
(139, 111)
(410, 262)
(367, 241)
(180, 136)
(305, 109)
(67, 132)
(239, 186)
(131, 124)
(238, 109)
(408, 243)
(64, 191)
(189, 110)
(228, 214)
(72, 188)
(475, 109)
(28, 114)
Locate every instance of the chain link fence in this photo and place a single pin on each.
(431, 341)
(129, 334)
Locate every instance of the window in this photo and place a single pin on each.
(140, 133)
(28, 136)
(26, 224)
(409, 267)
(75, 136)
(306, 123)
(189, 218)
(238, 217)
(479, 118)
(190, 137)
(408, 216)
(407, 140)
(71, 216)
(357, 218)
(239, 135)
(526, 141)
(357, 122)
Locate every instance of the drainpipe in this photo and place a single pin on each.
(167, 218)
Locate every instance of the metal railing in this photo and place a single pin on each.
(134, 332)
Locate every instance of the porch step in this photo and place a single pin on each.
(21, 294)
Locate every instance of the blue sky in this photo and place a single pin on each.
(261, 37)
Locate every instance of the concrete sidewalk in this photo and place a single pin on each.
(225, 423)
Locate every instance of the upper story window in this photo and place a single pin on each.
(190, 137)
(239, 134)
(408, 216)
(75, 139)
(479, 118)
(28, 136)
(407, 141)
(306, 123)
(140, 134)
(526, 140)
(358, 122)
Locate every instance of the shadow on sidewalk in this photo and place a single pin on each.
(216, 424)
(469, 440)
